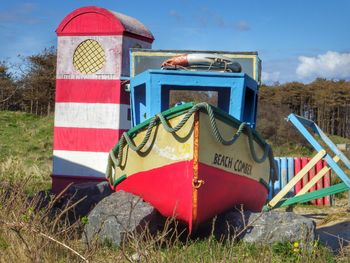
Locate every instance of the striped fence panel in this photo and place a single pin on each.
(289, 166)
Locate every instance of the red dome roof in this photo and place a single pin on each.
(92, 20)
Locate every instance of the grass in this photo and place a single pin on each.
(30, 232)
(26, 136)
(26, 140)
(290, 149)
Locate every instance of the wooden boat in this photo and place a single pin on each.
(182, 163)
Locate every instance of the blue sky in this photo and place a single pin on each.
(296, 40)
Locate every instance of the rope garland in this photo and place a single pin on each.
(114, 162)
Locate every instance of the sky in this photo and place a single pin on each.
(296, 40)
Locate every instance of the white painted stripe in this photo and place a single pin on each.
(66, 46)
(75, 163)
(92, 115)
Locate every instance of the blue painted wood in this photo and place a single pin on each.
(284, 171)
(277, 185)
(318, 131)
(285, 168)
(291, 171)
(150, 91)
(299, 123)
(271, 191)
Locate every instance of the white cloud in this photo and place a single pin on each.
(242, 25)
(329, 65)
(270, 77)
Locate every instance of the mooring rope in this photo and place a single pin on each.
(114, 162)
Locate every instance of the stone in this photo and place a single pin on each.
(118, 215)
(77, 201)
(268, 227)
(86, 195)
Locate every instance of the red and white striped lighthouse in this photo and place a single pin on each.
(92, 109)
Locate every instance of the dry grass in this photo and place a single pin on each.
(31, 228)
(32, 231)
(36, 228)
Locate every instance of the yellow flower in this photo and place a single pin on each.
(296, 244)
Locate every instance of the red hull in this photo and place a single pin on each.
(223, 190)
(169, 189)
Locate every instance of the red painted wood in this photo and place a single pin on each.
(297, 168)
(319, 184)
(299, 163)
(168, 189)
(60, 182)
(223, 190)
(93, 21)
(91, 91)
(90, 20)
(326, 183)
(311, 174)
(305, 179)
(85, 139)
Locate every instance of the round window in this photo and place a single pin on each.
(89, 57)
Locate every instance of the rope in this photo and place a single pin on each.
(125, 139)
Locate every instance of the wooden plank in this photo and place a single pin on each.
(334, 189)
(305, 179)
(319, 184)
(296, 178)
(298, 122)
(297, 168)
(76, 163)
(326, 183)
(85, 139)
(311, 175)
(91, 91)
(92, 115)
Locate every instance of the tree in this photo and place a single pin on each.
(327, 102)
(39, 81)
(7, 89)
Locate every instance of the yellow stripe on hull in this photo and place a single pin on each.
(163, 148)
(235, 158)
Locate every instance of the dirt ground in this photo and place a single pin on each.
(332, 223)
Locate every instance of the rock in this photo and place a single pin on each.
(120, 214)
(86, 195)
(269, 227)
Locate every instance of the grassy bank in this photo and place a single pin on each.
(26, 148)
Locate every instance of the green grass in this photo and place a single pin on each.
(25, 135)
(290, 149)
(26, 140)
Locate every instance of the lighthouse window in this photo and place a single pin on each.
(89, 57)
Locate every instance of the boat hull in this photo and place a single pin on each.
(193, 177)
